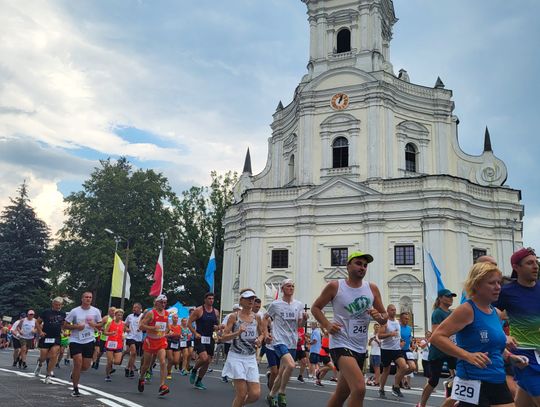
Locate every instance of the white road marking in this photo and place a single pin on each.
(109, 402)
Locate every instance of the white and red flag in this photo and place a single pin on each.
(157, 287)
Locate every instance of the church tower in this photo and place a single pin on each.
(364, 159)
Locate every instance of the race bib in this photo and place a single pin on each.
(537, 354)
(250, 334)
(453, 338)
(112, 345)
(358, 328)
(205, 340)
(49, 340)
(409, 355)
(174, 345)
(289, 315)
(183, 344)
(85, 334)
(467, 391)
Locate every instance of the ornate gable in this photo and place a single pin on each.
(338, 188)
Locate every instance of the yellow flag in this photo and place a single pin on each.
(117, 277)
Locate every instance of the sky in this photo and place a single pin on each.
(185, 87)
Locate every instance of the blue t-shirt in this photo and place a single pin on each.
(438, 316)
(484, 334)
(315, 335)
(406, 335)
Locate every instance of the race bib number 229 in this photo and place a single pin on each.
(467, 391)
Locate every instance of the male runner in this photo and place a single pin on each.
(521, 301)
(406, 337)
(206, 319)
(390, 336)
(82, 321)
(26, 332)
(354, 302)
(156, 325)
(287, 315)
(134, 339)
(49, 328)
(16, 341)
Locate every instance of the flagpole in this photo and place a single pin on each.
(115, 251)
(124, 277)
(424, 277)
(162, 235)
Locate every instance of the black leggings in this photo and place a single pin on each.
(435, 367)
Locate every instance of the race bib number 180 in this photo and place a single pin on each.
(467, 391)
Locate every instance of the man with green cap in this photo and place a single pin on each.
(354, 302)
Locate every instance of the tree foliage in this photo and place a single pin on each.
(24, 240)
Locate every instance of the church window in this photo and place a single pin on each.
(410, 157)
(338, 256)
(404, 255)
(291, 168)
(340, 153)
(280, 259)
(476, 253)
(343, 41)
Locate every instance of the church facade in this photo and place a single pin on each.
(363, 159)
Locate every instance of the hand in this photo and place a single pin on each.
(197, 335)
(79, 327)
(395, 333)
(241, 329)
(269, 339)
(376, 315)
(42, 334)
(511, 343)
(519, 361)
(333, 328)
(478, 359)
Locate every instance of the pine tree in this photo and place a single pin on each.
(24, 240)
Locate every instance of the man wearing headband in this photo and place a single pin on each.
(287, 315)
(355, 302)
(156, 325)
(521, 301)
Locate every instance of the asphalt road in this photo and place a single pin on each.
(21, 388)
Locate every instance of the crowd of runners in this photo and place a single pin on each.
(490, 344)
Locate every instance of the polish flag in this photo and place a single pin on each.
(157, 287)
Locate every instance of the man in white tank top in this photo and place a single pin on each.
(355, 302)
(390, 336)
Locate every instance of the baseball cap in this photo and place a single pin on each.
(287, 281)
(445, 292)
(520, 255)
(236, 307)
(161, 297)
(356, 254)
(248, 294)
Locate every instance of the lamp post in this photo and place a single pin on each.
(117, 239)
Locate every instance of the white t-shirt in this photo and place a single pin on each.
(392, 342)
(27, 325)
(14, 328)
(224, 322)
(132, 321)
(375, 347)
(425, 350)
(285, 318)
(79, 316)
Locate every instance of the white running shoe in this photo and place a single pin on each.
(47, 380)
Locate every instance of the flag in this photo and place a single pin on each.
(118, 277)
(268, 291)
(433, 280)
(210, 271)
(157, 287)
(275, 292)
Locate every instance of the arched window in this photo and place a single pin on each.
(340, 153)
(291, 168)
(410, 157)
(343, 41)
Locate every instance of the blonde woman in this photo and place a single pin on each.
(481, 342)
(114, 344)
(246, 330)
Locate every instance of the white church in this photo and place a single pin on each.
(363, 159)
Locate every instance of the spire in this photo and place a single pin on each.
(279, 106)
(487, 141)
(439, 84)
(247, 164)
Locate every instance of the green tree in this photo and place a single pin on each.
(24, 240)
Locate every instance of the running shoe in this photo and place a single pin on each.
(382, 393)
(47, 380)
(224, 379)
(131, 374)
(108, 379)
(75, 393)
(301, 379)
(140, 385)
(66, 362)
(333, 379)
(396, 391)
(113, 370)
(282, 400)
(183, 372)
(148, 377)
(192, 376)
(14, 364)
(199, 385)
(25, 366)
(126, 372)
(271, 401)
(37, 370)
(318, 383)
(163, 389)
(58, 365)
(210, 370)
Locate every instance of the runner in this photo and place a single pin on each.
(185, 348)
(314, 348)
(82, 321)
(114, 345)
(437, 358)
(301, 357)
(375, 355)
(406, 336)
(16, 341)
(134, 339)
(49, 329)
(390, 335)
(101, 338)
(227, 343)
(156, 325)
(481, 342)
(206, 319)
(173, 345)
(26, 330)
(246, 330)
(521, 301)
(324, 357)
(287, 315)
(354, 302)
(64, 347)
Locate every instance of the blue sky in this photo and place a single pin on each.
(185, 87)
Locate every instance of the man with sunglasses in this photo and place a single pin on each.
(521, 301)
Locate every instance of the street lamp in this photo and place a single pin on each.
(117, 239)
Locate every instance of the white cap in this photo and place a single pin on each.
(236, 307)
(248, 294)
(161, 297)
(287, 281)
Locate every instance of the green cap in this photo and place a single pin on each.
(353, 255)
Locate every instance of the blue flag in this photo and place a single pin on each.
(433, 280)
(210, 271)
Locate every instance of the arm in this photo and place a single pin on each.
(378, 313)
(328, 293)
(193, 317)
(39, 327)
(383, 334)
(459, 319)
(145, 321)
(229, 334)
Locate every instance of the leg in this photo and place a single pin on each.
(24, 350)
(253, 392)
(377, 370)
(53, 358)
(240, 392)
(170, 361)
(145, 364)
(435, 371)
(77, 367)
(284, 373)
(132, 357)
(203, 361)
(108, 368)
(402, 370)
(161, 355)
(272, 378)
(384, 376)
(350, 385)
(524, 399)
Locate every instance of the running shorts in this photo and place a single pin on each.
(491, 394)
(138, 346)
(204, 347)
(151, 345)
(48, 343)
(390, 355)
(86, 349)
(241, 367)
(338, 353)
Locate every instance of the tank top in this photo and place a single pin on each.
(116, 340)
(105, 328)
(185, 334)
(392, 342)
(325, 341)
(160, 322)
(245, 344)
(176, 330)
(484, 334)
(351, 312)
(205, 324)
